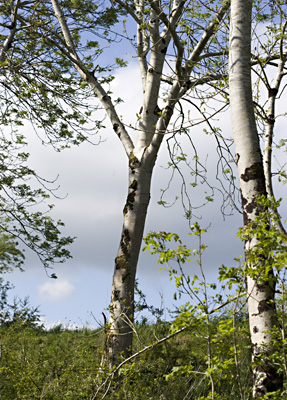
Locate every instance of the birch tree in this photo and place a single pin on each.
(159, 27)
(254, 183)
(51, 77)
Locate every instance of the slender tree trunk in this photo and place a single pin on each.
(260, 292)
(269, 134)
(120, 334)
(141, 162)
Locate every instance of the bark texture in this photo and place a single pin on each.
(119, 339)
(260, 292)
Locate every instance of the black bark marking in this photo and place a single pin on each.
(264, 305)
(129, 204)
(246, 220)
(131, 196)
(163, 40)
(150, 70)
(133, 162)
(250, 207)
(134, 185)
(115, 128)
(125, 241)
(244, 201)
(268, 283)
(116, 294)
(106, 98)
(157, 110)
(272, 92)
(271, 119)
(168, 109)
(253, 172)
(164, 50)
(255, 329)
(266, 378)
(120, 262)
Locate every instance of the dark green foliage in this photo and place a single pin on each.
(19, 192)
(40, 90)
(65, 364)
(38, 83)
(18, 313)
(48, 365)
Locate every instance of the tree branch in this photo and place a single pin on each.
(142, 43)
(13, 28)
(269, 134)
(170, 25)
(129, 10)
(99, 91)
(194, 57)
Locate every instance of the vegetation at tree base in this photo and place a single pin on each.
(65, 364)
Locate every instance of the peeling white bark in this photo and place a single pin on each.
(261, 309)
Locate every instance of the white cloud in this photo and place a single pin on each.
(56, 290)
(63, 324)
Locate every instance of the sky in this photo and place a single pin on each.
(92, 183)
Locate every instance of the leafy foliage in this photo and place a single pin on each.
(38, 82)
(21, 189)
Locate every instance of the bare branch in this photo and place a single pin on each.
(269, 134)
(142, 43)
(129, 9)
(170, 25)
(13, 28)
(210, 30)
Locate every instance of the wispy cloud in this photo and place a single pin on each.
(55, 290)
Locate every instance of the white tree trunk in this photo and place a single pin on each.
(120, 334)
(260, 292)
